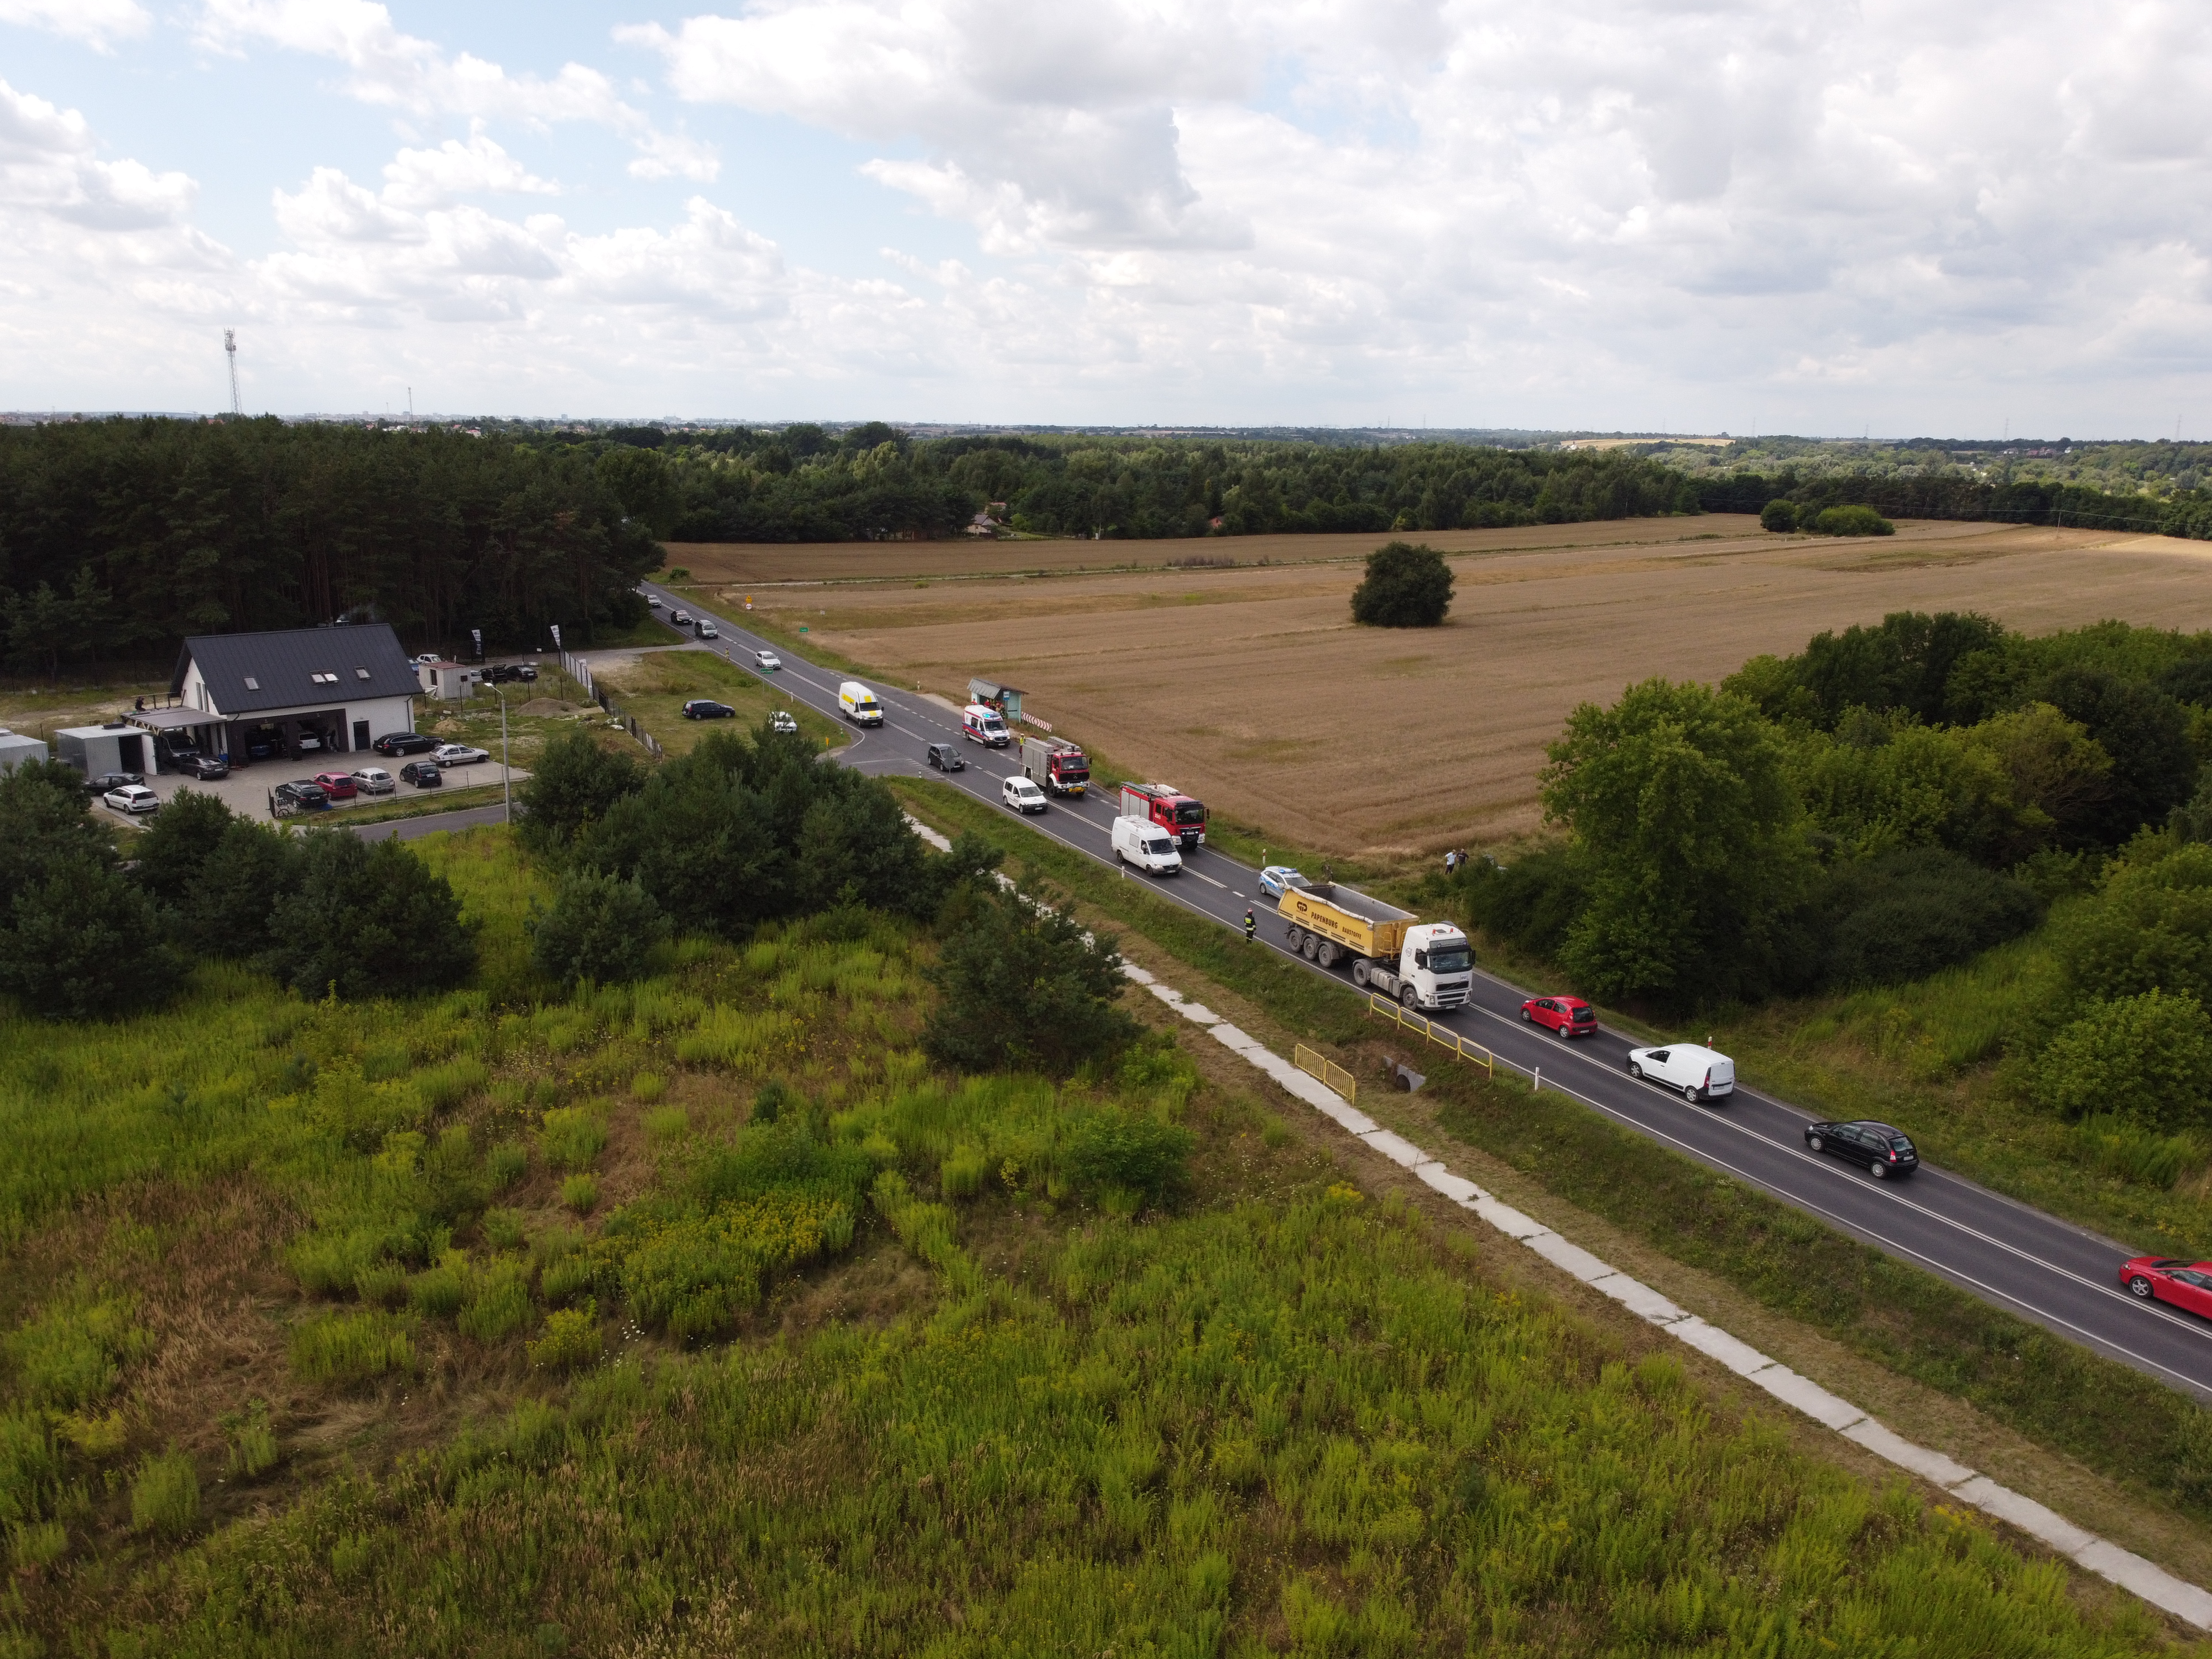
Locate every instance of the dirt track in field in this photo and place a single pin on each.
(1251, 687)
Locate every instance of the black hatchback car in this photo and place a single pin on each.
(404, 743)
(305, 795)
(206, 767)
(423, 774)
(1878, 1149)
(945, 759)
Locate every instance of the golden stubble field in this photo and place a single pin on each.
(1250, 687)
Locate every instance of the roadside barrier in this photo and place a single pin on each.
(1472, 1052)
(1326, 1071)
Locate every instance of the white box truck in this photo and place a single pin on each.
(858, 704)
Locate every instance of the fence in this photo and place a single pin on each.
(580, 672)
(1329, 1073)
(1473, 1052)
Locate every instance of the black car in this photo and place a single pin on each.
(510, 673)
(303, 795)
(206, 767)
(945, 759)
(1878, 1149)
(423, 774)
(404, 743)
(706, 708)
(107, 780)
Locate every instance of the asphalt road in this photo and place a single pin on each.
(2061, 1276)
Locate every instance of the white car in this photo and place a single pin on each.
(781, 721)
(457, 754)
(653, 602)
(373, 781)
(706, 630)
(767, 660)
(429, 657)
(1022, 795)
(133, 797)
(1698, 1073)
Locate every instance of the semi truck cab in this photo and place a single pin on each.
(1438, 964)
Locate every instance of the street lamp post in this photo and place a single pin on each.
(505, 772)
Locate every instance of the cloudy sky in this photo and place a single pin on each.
(1903, 217)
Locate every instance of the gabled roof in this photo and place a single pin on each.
(250, 673)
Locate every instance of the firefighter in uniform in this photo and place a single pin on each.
(1250, 925)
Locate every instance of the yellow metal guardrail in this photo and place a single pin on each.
(1473, 1052)
(1330, 1075)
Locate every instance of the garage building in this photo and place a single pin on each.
(299, 692)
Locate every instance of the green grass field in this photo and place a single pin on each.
(705, 1316)
(655, 687)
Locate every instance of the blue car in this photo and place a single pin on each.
(1276, 877)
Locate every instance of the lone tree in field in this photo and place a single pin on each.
(1406, 587)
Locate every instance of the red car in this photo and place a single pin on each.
(2186, 1285)
(338, 786)
(1570, 1016)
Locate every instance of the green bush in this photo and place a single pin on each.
(580, 1193)
(252, 1441)
(30, 1466)
(1779, 514)
(2147, 1059)
(370, 919)
(1909, 914)
(570, 1340)
(1108, 1147)
(601, 928)
(572, 1138)
(1027, 988)
(2149, 927)
(571, 788)
(505, 1164)
(1406, 586)
(1848, 521)
(2134, 1154)
(350, 1347)
(665, 1124)
(646, 1087)
(439, 1293)
(165, 1495)
(1529, 904)
(85, 944)
(74, 1352)
(498, 1305)
(962, 1173)
(502, 1229)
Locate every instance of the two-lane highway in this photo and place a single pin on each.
(2061, 1276)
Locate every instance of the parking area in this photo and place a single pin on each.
(246, 791)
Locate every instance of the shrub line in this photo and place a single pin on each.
(2130, 1571)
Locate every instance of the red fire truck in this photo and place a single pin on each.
(1058, 768)
(1165, 804)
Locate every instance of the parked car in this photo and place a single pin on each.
(1570, 1016)
(1277, 877)
(422, 774)
(509, 673)
(1022, 795)
(2187, 1284)
(782, 721)
(208, 769)
(302, 795)
(1699, 1074)
(458, 754)
(373, 781)
(706, 708)
(945, 759)
(107, 782)
(1881, 1151)
(338, 786)
(404, 743)
(681, 618)
(767, 659)
(428, 657)
(134, 798)
(259, 749)
(309, 743)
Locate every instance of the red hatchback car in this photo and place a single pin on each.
(2187, 1284)
(338, 786)
(1570, 1016)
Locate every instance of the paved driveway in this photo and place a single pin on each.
(246, 791)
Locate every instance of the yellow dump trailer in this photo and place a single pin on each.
(1356, 925)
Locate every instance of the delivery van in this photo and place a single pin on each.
(858, 704)
(1148, 847)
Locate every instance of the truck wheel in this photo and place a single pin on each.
(1359, 972)
(1327, 954)
(1409, 997)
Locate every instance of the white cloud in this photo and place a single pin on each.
(98, 23)
(672, 155)
(49, 166)
(425, 178)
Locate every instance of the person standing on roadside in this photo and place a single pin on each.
(1250, 925)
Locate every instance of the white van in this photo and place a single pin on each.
(1146, 845)
(1699, 1074)
(859, 705)
(981, 723)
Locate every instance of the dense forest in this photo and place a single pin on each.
(801, 483)
(119, 537)
(1965, 494)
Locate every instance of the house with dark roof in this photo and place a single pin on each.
(299, 692)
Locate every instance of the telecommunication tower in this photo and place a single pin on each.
(230, 348)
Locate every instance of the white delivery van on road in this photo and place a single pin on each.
(858, 704)
(1146, 845)
(1700, 1073)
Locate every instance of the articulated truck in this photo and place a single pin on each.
(1058, 769)
(1425, 964)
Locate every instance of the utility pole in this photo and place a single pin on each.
(230, 350)
(505, 772)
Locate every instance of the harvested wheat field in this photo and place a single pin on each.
(1251, 687)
